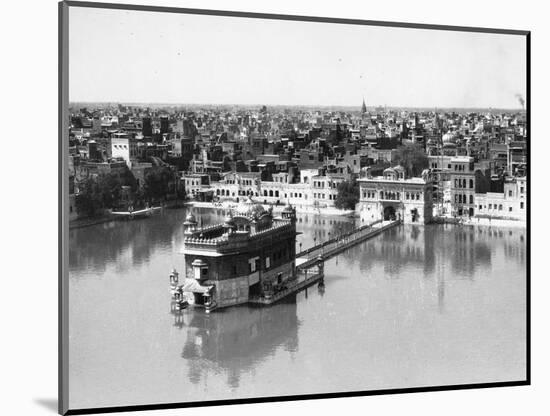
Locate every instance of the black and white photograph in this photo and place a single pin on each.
(268, 207)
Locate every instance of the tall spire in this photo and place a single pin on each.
(363, 107)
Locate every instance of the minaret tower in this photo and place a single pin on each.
(363, 107)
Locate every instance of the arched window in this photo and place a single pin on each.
(270, 192)
(471, 183)
(464, 183)
(471, 199)
(277, 194)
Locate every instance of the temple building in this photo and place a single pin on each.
(395, 197)
(251, 254)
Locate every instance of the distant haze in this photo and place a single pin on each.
(153, 57)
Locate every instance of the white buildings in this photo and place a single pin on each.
(312, 189)
(510, 204)
(194, 183)
(124, 147)
(392, 196)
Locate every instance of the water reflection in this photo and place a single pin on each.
(122, 243)
(236, 340)
(426, 246)
(416, 304)
(130, 243)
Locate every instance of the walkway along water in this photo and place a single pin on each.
(311, 261)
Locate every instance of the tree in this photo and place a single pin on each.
(104, 191)
(139, 197)
(348, 194)
(88, 199)
(109, 189)
(156, 183)
(128, 179)
(413, 159)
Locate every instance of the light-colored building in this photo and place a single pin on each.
(236, 185)
(125, 148)
(510, 204)
(313, 190)
(194, 183)
(392, 196)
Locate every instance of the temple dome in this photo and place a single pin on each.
(249, 208)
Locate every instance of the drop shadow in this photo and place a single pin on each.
(50, 404)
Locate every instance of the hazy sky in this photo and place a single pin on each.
(133, 56)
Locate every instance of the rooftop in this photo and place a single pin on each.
(419, 181)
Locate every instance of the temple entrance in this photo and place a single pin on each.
(389, 213)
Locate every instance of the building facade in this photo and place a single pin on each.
(463, 186)
(195, 183)
(510, 204)
(251, 254)
(392, 196)
(125, 148)
(312, 190)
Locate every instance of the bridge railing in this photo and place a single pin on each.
(337, 238)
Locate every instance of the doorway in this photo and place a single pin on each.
(389, 213)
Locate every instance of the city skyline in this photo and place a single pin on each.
(177, 59)
(310, 107)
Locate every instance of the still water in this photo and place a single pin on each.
(415, 306)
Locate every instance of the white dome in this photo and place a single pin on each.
(249, 208)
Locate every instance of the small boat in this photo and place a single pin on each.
(131, 214)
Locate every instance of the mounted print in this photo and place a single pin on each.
(265, 207)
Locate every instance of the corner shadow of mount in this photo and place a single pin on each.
(50, 404)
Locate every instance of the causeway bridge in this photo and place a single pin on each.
(310, 262)
(330, 248)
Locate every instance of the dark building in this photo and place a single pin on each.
(94, 153)
(147, 127)
(164, 125)
(251, 254)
